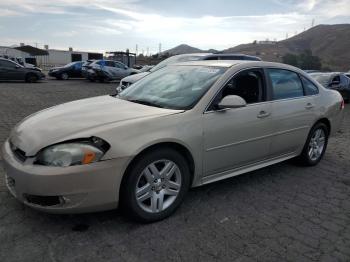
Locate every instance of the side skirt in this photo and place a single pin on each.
(245, 169)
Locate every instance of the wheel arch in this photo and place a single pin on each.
(180, 148)
(28, 74)
(325, 121)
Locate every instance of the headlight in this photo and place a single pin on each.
(71, 154)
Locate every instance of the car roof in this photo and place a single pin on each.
(6, 59)
(232, 63)
(234, 55)
(326, 73)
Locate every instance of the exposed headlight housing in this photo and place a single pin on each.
(72, 153)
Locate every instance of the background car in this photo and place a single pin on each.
(71, 70)
(127, 81)
(335, 81)
(85, 67)
(10, 70)
(108, 70)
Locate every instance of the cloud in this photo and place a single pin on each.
(134, 22)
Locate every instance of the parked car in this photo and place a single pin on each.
(85, 67)
(10, 70)
(127, 81)
(182, 126)
(21, 61)
(108, 70)
(71, 70)
(335, 81)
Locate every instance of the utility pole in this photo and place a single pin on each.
(313, 22)
(136, 49)
(147, 51)
(160, 49)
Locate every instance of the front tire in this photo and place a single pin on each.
(315, 145)
(155, 185)
(31, 78)
(64, 76)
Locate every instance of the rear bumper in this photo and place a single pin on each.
(79, 189)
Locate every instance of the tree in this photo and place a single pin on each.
(305, 60)
(309, 61)
(290, 59)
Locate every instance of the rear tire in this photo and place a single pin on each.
(31, 78)
(315, 146)
(164, 191)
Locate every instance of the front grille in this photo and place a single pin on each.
(19, 154)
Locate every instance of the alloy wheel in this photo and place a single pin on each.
(158, 186)
(317, 144)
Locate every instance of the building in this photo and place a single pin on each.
(63, 57)
(126, 58)
(47, 58)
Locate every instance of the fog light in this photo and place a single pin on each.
(44, 200)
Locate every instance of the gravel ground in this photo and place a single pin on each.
(280, 213)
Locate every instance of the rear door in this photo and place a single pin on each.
(293, 110)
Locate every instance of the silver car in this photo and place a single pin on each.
(108, 70)
(182, 126)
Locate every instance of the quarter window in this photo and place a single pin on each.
(285, 84)
(309, 87)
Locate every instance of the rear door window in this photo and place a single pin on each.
(7, 64)
(285, 84)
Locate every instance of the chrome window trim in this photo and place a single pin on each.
(206, 111)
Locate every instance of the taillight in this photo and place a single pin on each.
(342, 106)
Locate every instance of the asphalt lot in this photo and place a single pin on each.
(280, 213)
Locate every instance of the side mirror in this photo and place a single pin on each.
(231, 101)
(17, 67)
(125, 67)
(334, 83)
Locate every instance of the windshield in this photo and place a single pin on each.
(71, 64)
(175, 59)
(323, 79)
(173, 87)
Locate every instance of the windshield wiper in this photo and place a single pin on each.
(146, 103)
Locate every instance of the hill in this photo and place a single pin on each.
(186, 49)
(329, 42)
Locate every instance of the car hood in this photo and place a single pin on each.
(67, 121)
(57, 68)
(134, 78)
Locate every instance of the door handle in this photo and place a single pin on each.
(309, 106)
(263, 114)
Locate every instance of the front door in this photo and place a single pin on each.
(234, 138)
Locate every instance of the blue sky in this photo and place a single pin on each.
(105, 25)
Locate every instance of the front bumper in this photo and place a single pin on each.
(80, 189)
(53, 73)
